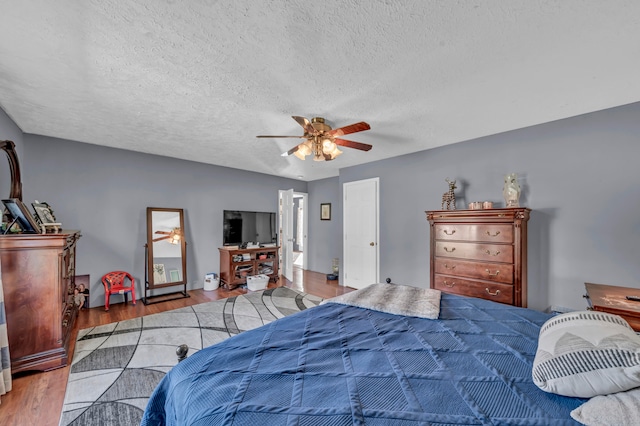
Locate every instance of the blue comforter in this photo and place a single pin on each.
(342, 365)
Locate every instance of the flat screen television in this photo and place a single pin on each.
(242, 227)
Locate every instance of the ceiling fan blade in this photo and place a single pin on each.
(352, 128)
(267, 136)
(291, 151)
(306, 124)
(352, 144)
(163, 232)
(159, 239)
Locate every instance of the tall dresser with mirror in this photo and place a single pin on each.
(38, 276)
(480, 253)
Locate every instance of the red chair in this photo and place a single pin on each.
(114, 283)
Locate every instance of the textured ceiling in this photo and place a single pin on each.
(198, 80)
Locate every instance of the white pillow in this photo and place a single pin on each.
(587, 353)
(620, 409)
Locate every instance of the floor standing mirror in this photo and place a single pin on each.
(166, 255)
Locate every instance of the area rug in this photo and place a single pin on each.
(117, 366)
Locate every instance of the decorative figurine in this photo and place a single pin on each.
(511, 190)
(449, 197)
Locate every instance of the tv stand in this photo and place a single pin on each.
(236, 264)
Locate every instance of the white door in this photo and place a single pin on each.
(361, 224)
(286, 232)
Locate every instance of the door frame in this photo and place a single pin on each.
(287, 246)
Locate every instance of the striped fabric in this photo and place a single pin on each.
(5, 360)
(394, 299)
(587, 353)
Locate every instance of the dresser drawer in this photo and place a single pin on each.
(498, 272)
(483, 252)
(486, 232)
(502, 293)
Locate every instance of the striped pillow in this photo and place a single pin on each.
(587, 353)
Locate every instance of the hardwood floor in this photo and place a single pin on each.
(37, 398)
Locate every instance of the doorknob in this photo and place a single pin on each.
(372, 244)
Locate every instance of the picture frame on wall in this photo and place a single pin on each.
(20, 214)
(325, 211)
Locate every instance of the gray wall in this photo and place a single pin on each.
(104, 192)
(580, 177)
(325, 236)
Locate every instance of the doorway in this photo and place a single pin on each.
(293, 231)
(299, 230)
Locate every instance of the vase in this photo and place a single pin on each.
(511, 190)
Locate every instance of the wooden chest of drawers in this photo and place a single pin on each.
(480, 253)
(38, 276)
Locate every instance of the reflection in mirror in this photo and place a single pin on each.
(166, 251)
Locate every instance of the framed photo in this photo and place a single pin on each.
(44, 214)
(325, 211)
(174, 274)
(159, 275)
(19, 212)
(82, 284)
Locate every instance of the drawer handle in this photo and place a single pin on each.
(449, 251)
(494, 254)
(494, 235)
(492, 294)
(447, 232)
(449, 285)
(492, 275)
(446, 266)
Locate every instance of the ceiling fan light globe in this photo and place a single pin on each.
(333, 154)
(305, 148)
(299, 154)
(328, 145)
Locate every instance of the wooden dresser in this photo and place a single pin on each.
(612, 299)
(480, 253)
(38, 273)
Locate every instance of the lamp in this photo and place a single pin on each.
(304, 149)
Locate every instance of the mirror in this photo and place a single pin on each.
(166, 245)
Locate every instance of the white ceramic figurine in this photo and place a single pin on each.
(511, 190)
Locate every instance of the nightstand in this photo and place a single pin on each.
(612, 299)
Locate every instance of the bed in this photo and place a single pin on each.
(336, 364)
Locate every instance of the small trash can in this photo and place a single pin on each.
(211, 281)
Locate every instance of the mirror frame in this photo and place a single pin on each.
(14, 167)
(150, 284)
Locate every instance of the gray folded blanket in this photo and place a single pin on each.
(394, 299)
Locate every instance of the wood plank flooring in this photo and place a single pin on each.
(37, 398)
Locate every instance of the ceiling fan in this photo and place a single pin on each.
(173, 236)
(321, 140)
